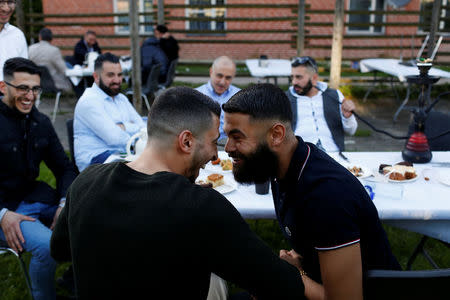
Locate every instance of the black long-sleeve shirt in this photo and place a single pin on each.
(132, 235)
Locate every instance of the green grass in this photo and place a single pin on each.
(12, 283)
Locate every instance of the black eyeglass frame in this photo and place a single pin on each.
(9, 3)
(37, 90)
(303, 60)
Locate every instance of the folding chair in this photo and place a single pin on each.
(48, 86)
(69, 126)
(169, 78)
(4, 249)
(411, 285)
(151, 85)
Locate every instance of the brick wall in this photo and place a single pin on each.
(208, 51)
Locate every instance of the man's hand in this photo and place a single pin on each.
(11, 228)
(55, 218)
(347, 108)
(121, 126)
(291, 257)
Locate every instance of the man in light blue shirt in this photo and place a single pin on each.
(219, 87)
(104, 119)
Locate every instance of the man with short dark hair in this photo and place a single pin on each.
(104, 119)
(27, 205)
(152, 206)
(322, 209)
(88, 43)
(219, 86)
(12, 40)
(321, 115)
(45, 54)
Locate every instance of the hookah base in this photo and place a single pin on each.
(417, 157)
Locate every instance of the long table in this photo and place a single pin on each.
(421, 206)
(271, 68)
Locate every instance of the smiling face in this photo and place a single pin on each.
(6, 12)
(14, 98)
(253, 160)
(205, 150)
(109, 78)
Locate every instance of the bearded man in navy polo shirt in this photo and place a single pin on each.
(323, 210)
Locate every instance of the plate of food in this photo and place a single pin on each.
(219, 183)
(402, 172)
(222, 164)
(359, 171)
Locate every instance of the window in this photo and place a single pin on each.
(366, 5)
(121, 6)
(426, 9)
(205, 12)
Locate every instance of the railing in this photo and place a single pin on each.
(263, 27)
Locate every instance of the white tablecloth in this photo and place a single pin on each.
(394, 68)
(274, 68)
(77, 73)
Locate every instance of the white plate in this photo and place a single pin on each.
(218, 168)
(444, 177)
(405, 181)
(228, 186)
(366, 171)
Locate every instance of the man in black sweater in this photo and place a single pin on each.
(322, 209)
(136, 230)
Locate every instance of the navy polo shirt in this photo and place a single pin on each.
(321, 206)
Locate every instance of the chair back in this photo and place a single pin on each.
(47, 83)
(69, 126)
(170, 73)
(411, 285)
(151, 85)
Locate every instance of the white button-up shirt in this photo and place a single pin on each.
(12, 44)
(311, 123)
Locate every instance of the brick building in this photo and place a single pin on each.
(249, 30)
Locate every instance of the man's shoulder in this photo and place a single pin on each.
(203, 88)
(13, 31)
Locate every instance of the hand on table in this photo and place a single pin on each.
(11, 228)
(347, 108)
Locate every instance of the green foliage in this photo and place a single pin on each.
(363, 132)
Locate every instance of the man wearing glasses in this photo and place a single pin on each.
(28, 206)
(12, 40)
(321, 115)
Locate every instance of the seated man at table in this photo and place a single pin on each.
(27, 205)
(322, 209)
(219, 86)
(321, 115)
(104, 119)
(152, 206)
(88, 43)
(45, 54)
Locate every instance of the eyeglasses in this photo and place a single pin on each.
(10, 3)
(24, 90)
(303, 60)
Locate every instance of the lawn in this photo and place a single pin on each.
(12, 284)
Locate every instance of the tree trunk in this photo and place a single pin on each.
(135, 55)
(336, 48)
(301, 28)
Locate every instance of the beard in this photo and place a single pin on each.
(197, 162)
(305, 89)
(257, 167)
(109, 91)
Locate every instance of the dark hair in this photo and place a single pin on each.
(108, 56)
(263, 101)
(178, 109)
(90, 32)
(46, 34)
(162, 28)
(306, 61)
(19, 64)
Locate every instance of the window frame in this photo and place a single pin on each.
(213, 24)
(142, 28)
(371, 30)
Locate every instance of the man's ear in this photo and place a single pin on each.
(96, 77)
(210, 71)
(277, 134)
(3, 87)
(186, 141)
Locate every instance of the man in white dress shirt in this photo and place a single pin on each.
(12, 40)
(321, 115)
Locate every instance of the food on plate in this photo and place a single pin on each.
(357, 171)
(426, 178)
(400, 171)
(226, 164)
(216, 162)
(215, 179)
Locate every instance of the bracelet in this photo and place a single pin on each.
(302, 273)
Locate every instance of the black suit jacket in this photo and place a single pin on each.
(80, 51)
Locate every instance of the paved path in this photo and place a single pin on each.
(378, 112)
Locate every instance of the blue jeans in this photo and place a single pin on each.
(37, 241)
